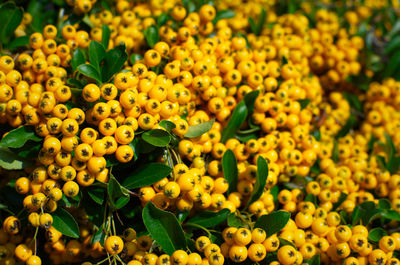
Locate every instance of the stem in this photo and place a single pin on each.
(102, 261)
(120, 260)
(113, 224)
(170, 162)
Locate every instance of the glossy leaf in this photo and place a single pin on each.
(223, 14)
(18, 42)
(391, 215)
(10, 18)
(375, 234)
(151, 35)
(304, 103)
(11, 161)
(18, 137)
(99, 236)
(135, 57)
(118, 195)
(261, 179)
(164, 228)
(96, 54)
(384, 204)
(168, 125)
(90, 71)
(393, 44)
(249, 100)
(208, 218)
(113, 62)
(394, 64)
(239, 115)
(105, 35)
(157, 137)
(97, 194)
(77, 59)
(147, 175)
(342, 198)
(315, 260)
(199, 129)
(273, 223)
(65, 223)
(230, 170)
(354, 101)
(234, 221)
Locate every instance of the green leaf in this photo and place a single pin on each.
(151, 35)
(230, 170)
(113, 62)
(376, 234)
(105, 35)
(65, 223)
(208, 218)
(90, 71)
(157, 137)
(10, 18)
(261, 179)
(96, 54)
(393, 64)
(315, 260)
(273, 223)
(223, 14)
(18, 42)
(11, 161)
(261, 21)
(249, 100)
(304, 103)
(311, 198)
(164, 228)
(118, 195)
(135, 57)
(354, 101)
(147, 175)
(77, 59)
(357, 214)
(392, 45)
(18, 137)
(342, 198)
(384, 204)
(199, 129)
(238, 117)
(391, 215)
(182, 216)
(253, 25)
(99, 236)
(162, 19)
(350, 123)
(284, 242)
(234, 221)
(284, 61)
(97, 194)
(168, 125)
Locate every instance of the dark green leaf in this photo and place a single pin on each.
(199, 129)
(65, 223)
(182, 216)
(230, 170)
(168, 125)
(10, 18)
(392, 45)
(261, 179)
(239, 115)
(358, 212)
(350, 123)
(253, 25)
(96, 54)
(249, 100)
(394, 64)
(342, 198)
(164, 228)
(118, 195)
(273, 223)
(151, 35)
(261, 21)
(18, 137)
(284, 61)
(77, 59)
(135, 57)
(18, 42)
(391, 215)
(99, 236)
(304, 103)
(208, 218)
(105, 35)
(284, 242)
(227, 13)
(311, 198)
(234, 221)
(157, 137)
(90, 71)
(354, 101)
(97, 194)
(113, 62)
(245, 137)
(11, 161)
(375, 234)
(384, 204)
(162, 19)
(315, 260)
(147, 175)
